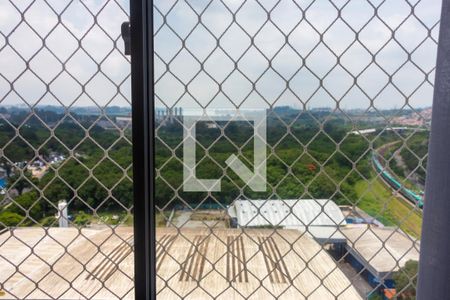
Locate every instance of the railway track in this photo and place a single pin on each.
(388, 179)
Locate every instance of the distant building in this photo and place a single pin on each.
(211, 125)
(419, 118)
(106, 124)
(168, 115)
(398, 129)
(363, 131)
(2, 172)
(3, 180)
(379, 252)
(321, 109)
(319, 218)
(124, 122)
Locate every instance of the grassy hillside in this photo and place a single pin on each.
(377, 200)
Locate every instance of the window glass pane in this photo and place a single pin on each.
(291, 147)
(66, 206)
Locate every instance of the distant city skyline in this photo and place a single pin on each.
(129, 107)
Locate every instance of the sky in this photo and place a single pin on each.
(269, 55)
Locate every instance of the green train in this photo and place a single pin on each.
(415, 198)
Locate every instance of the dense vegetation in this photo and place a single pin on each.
(415, 155)
(303, 164)
(406, 280)
(96, 173)
(314, 158)
(412, 151)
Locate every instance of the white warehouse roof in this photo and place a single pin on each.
(286, 213)
(382, 251)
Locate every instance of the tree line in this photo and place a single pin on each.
(308, 156)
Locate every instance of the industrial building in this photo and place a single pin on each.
(67, 263)
(250, 263)
(123, 121)
(232, 263)
(379, 251)
(373, 250)
(168, 115)
(264, 257)
(320, 218)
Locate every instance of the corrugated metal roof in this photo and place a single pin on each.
(381, 250)
(322, 234)
(310, 212)
(215, 263)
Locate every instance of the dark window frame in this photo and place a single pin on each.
(141, 19)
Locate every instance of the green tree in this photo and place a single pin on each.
(20, 184)
(9, 219)
(406, 280)
(27, 203)
(82, 219)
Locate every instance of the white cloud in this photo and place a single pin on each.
(268, 43)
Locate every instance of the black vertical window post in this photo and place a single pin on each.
(141, 19)
(434, 269)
